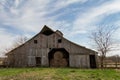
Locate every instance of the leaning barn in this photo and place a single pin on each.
(50, 49)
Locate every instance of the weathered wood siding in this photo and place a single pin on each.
(26, 54)
(81, 61)
(78, 55)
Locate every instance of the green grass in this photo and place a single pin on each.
(58, 74)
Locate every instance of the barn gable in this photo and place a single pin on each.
(50, 48)
(46, 31)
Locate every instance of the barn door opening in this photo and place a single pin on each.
(58, 58)
(92, 61)
(38, 61)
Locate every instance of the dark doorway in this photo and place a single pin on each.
(38, 61)
(58, 58)
(92, 61)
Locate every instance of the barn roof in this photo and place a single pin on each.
(48, 31)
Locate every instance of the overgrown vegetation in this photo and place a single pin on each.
(58, 74)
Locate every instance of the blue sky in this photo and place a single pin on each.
(75, 18)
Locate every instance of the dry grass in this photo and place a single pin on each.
(58, 74)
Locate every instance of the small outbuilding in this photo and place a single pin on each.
(50, 49)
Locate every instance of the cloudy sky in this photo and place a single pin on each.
(75, 18)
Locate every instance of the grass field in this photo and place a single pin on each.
(58, 74)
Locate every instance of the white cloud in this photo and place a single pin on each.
(87, 21)
(5, 40)
(17, 2)
(29, 16)
(64, 3)
(84, 21)
(32, 15)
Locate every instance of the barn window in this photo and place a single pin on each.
(59, 40)
(35, 41)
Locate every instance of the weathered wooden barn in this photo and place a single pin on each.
(50, 49)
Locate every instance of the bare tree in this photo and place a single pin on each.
(103, 39)
(18, 41)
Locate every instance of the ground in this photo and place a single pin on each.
(58, 74)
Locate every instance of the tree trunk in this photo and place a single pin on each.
(102, 61)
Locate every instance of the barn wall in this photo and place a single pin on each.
(78, 56)
(10, 60)
(69, 46)
(38, 50)
(27, 53)
(80, 61)
(19, 57)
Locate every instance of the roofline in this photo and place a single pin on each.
(26, 41)
(46, 27)
(53, 31)
(80, 45)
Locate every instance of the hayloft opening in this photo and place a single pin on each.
(58, 58)
(47, 31)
